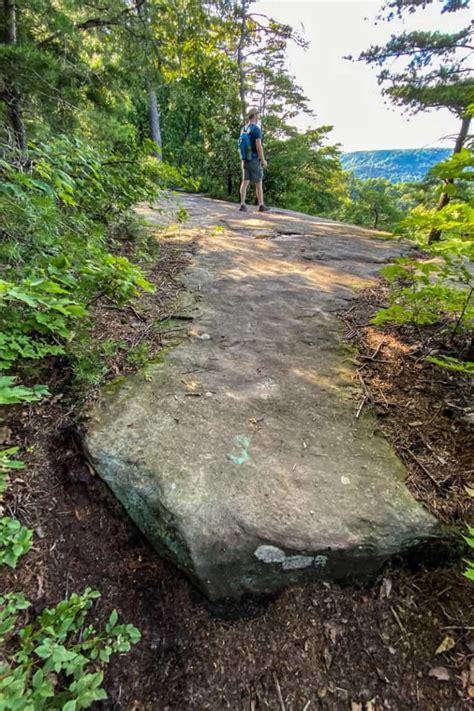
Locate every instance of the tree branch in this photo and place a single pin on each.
(95, 22)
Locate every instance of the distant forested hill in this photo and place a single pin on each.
(397, 165)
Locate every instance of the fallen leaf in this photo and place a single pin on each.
(356, 706)
(440, 673)
(386, 588)
(415, 424)
(470, 691)
(447, 644)
(471, 671)
(469, 491)
(5, 435)
(331, 631)
(327, 657)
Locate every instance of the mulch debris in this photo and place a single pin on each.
(424, 410)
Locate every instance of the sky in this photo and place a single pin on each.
(346, 94)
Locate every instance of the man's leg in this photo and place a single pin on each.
(243, 191)
(259, 191)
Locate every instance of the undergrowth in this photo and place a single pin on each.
(65, 210)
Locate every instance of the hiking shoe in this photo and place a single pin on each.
(243, 208)
(263, 208)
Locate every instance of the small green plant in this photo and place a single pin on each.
(469, 572)
(15, 541)
(87, 360)
(109, 347)
(139, 355)
(182, 215)
(56, 661)
(6, 464)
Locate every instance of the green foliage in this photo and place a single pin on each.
(87, 361)
(182, 214)
(55, 252)
(7, 464)
(12, 394)
(425, 290)
(420, 70)
(374, 202)
(304, 172)
(15, 541)
(139, 354)
(453, 364)
(469, 572)
(56, 660)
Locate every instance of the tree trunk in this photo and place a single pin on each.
(155, 130)
(263, 100)
(470, 352)
(240, 60)
(376, 219)
(10, 95)
(435, 235)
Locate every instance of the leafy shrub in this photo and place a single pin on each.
(55, 661)
(57, 215)
(423, 291)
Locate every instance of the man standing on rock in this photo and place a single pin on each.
(254, 160)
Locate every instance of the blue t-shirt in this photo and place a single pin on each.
(254, 132)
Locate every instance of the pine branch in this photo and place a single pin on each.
(96, 22)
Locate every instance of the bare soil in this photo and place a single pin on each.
(318, 647)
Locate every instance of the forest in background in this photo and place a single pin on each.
(118, 75)
(106, 104)
(399, 165)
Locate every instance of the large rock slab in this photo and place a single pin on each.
(239, 455)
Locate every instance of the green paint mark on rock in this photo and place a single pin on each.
(242, 443)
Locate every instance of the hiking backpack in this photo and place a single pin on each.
(245, 144)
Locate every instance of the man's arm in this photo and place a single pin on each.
(259, 147)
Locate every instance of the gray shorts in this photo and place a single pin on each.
(252, 170)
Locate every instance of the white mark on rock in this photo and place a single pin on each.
(295, 562)
(345, 480)
(265, 388)
(320, 561)
(270, 554)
